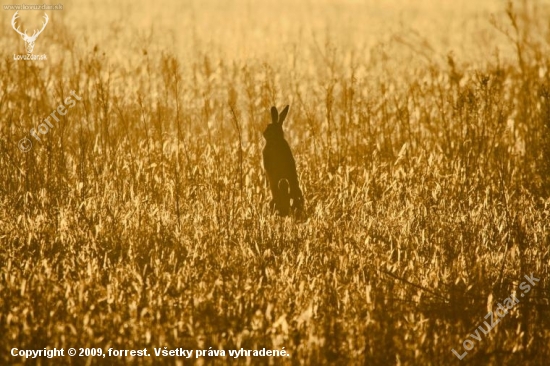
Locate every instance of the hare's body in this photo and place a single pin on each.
(281, 168)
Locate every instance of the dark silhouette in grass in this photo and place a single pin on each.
(280, 167)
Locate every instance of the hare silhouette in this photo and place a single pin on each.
(280, 167)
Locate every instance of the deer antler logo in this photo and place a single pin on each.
(29, 40)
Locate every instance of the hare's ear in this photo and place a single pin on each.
(283, 114)
(274, 115)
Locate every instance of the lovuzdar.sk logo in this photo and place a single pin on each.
(29, 40)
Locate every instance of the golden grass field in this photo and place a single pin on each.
(421, 132)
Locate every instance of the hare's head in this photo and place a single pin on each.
(274, 130)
